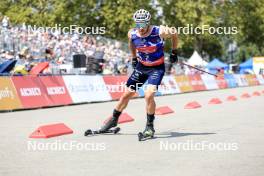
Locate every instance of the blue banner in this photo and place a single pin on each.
(231, 81)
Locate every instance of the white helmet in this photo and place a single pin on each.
(141, 16)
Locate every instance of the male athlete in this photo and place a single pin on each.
(146, 43)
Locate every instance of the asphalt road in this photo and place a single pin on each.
(214, 140)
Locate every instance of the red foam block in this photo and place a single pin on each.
(245, 95)
(215, 101)
(124, 118)
(47, 131)
(256, 93)
(231, 98)
(39, 68)
(192, 105)
(163, 110)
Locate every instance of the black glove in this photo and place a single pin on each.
(134, 62)
(174, 56)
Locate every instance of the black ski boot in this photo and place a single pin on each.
(149, 130)
(111, 123)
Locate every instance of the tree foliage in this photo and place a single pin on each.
(180, 13)
(116, 16)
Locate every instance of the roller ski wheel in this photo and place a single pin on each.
(91, 132)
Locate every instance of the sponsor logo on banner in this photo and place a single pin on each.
(209, 82)
(8, 96)
(27, 92)
(56, 90)
(197, 82)
(84, 88)
(184, 83)
(31, 91)
(6, 93)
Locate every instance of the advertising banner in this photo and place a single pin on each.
(84, 88)
(221, 82)
(241, 80)
(56, 90)
(31, 91)
(252, 80)
(231, 81)
(169, 86)
(209, 81)
(260, 79)
(8, 96)
(184, 83)
(116, 85)
(197, 82)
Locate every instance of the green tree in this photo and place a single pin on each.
(30, 12)
(180, 13)
(4, 5)
(248, 16)
(51, 12)
(117, 16)
(79, 12)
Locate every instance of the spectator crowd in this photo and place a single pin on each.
(33, 46)
(30, 47)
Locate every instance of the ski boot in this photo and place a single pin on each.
(147, 133)
(110, 124)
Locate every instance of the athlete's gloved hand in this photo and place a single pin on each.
(134, 62)
(174, 56)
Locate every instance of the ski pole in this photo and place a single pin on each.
(198, 69)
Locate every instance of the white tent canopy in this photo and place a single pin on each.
(197, 60)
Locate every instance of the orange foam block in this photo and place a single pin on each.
(245, 95)
(163, 110)
(192, 105)
(124, 118)
(47, 131)
(256, 93)
(215, 101)
(231, 98)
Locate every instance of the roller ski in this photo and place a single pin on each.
(109, 127)
(94, 132)
(149, 131)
